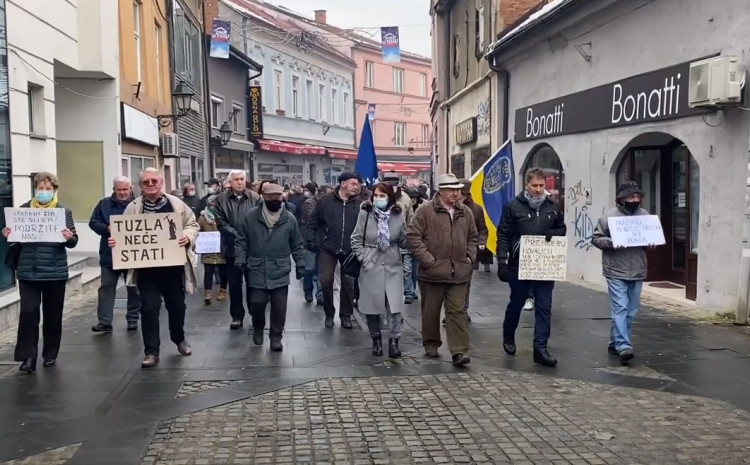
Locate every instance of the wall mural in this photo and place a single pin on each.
(483, 118)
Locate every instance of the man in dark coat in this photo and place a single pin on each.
(122, 195)
(307, 209)
(482, 231)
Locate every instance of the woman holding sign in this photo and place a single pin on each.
(212, 261)
(42, 272)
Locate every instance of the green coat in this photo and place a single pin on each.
(264, 254)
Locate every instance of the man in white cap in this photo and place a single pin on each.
(446, 256)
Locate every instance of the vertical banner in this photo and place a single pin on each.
(390, 44)
(220, 39)
(256, 112)
(371, 111)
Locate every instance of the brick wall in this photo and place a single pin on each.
(211, 11)
(512, 10)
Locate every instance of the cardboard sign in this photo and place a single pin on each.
(35, 224)
(636, 231)
(147, 240)
(541, 260)
(208, 242)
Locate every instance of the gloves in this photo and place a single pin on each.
(502, 270)
(300, 273)
(548, 237)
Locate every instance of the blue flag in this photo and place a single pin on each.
(367, 163)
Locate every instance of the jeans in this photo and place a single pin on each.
(624, 297)
(327, 265)
(208, 276)
(155, 283)
(107, 290)
(310, 284)
(256, 303)
(50, 295)
(407, 262)
(519, 292)
(235, 277)
(394, 323)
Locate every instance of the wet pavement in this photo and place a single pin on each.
(326, 399)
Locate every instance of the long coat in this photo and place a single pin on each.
(206, 226)
(381, 273)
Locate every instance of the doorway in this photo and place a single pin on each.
(544, 156)
(669, 177)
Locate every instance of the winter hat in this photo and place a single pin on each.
(627, 189)
(343, 177)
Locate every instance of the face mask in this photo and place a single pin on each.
(631, 207)
(44, 197)
(273, 205)
(213, 189)
(308, 194)
(380, 203)
(190, 193)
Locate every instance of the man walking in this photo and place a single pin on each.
(482, 231)
(310, 284)
(531, 213)
(213, 186)
(443, 237)
(167, 282)
(122, 195)
(331, 229)
(624, 268)
(267, 268)
(232, 207)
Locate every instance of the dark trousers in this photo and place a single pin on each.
(257, 299)
(155, 283)
(208, 276)
(236, 302)
(107, 292)
(519, 292)
(327, 266)
(51, 296)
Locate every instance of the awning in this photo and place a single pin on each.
(342, 154)
(404, 168)
(290, 147)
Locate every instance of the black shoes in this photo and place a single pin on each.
(377, 346)
(393, 350)
(308, 298)
(329, 322)
(611, 350)
(319, 302)
(509, 346)
(460, 360)
(28, 365)
(626, 355)
(132, 325)
(408, 300)
(542, 357)
(346, 322)
(100, 328)
(258, 336)
(276, 345)
(49, 362)
(236, 324)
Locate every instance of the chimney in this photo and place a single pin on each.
(321, 17)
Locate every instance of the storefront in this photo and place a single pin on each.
(627, 118)
(7, 279)
(469, 137)
(289, 163)
(233, 156)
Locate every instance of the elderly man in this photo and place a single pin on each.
(267, 268)
(122, 195)
(443, 237)
(232, 207)
(167, 282)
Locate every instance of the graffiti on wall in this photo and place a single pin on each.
(578, 194)
(483, 118)
(583, 229)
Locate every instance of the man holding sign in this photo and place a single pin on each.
(624, 266)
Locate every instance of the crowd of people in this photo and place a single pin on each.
(383, 248)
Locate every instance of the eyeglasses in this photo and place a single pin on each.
(150, 182)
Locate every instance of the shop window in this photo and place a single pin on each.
(132, 166)
(457, 166)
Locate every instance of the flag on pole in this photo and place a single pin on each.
(367, 163)
(492, 187)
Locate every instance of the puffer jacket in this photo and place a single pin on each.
(445, 249)
(629, 263)
(332, 224)
(46, 261)
(230, 212)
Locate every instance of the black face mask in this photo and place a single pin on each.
(273, 205)
(631, 207)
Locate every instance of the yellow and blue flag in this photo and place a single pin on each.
(492, 187)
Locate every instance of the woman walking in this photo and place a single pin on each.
(376, 240)
(212, 262)
(42, 272)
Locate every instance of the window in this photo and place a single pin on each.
(278, 89)
(425, 136)
(216, 113)
(347, 111)
(157, 57)
(369, 74)
(334, 106)
(137, 35)
(400, 136)
(398, 80)
(422, 85)
(310, 95)
(187, 60)
(35, 96)
(321, 101)
(454, 57)
(235, 118)
(132, 167)
(295, 96)
(479, 32)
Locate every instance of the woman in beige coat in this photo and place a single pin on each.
(212, 261)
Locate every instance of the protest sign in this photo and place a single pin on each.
(208, 242)
(147, 240)
(635, 231)
(35, 224)
(541, 260)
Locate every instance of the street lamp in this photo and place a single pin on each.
(183, 99)
(225, 133)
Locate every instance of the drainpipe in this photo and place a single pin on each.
(506, 96)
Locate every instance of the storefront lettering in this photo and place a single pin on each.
(645, 105)
(544, 125)
(466, 131)
(256, 112)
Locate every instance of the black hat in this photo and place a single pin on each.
(343, 177)
(627, 189)
(213, 182)
(312, 187)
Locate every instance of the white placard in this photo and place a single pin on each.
(636, 231)
(147, 240)
(35, 224)
(208, 242)
(541, 260)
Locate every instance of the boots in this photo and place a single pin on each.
(207, 298)
(222, 295)
(393, 350)
(377, 346)
(542, 357)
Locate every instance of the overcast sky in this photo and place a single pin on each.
(412, 17)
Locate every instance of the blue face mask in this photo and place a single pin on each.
(44, 197)
(380, 203)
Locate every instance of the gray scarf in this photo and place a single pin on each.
(534, 202)
(383, 237)
(269, 217)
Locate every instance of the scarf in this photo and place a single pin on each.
(269, 217)
(534, 202)
(383, 238)
(151, 207)
(209, 216)
(53, 204)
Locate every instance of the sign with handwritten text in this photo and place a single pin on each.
(35, 224)
(636, 231)
(147, 240)
(208, 242)
(541, 260)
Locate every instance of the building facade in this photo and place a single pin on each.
(610, 106)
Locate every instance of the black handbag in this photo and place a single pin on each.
(12, 256)
(352, 265)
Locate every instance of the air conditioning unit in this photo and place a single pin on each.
(715, 81)
(169, 145)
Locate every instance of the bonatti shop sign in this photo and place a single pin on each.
(655, 96)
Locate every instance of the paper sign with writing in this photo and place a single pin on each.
(541, 260)
(208, 242)
(35, 224)
(147, 240)
(636, 231)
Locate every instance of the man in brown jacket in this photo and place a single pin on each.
(443, 238)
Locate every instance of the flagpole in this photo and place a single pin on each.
(474, 176)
